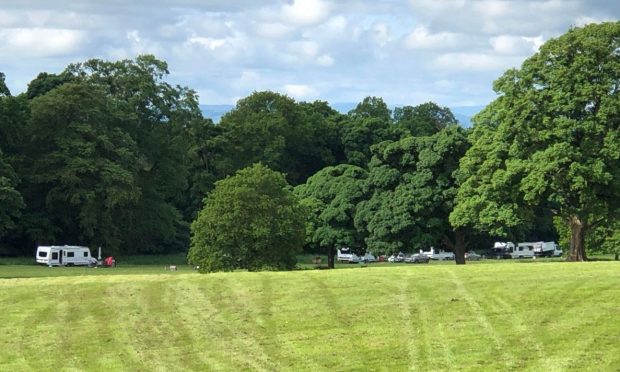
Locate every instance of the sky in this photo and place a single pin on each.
(405, 51)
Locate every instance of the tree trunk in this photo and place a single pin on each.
(330, 257)
(577, 246)
(616, 258)
(458, 246)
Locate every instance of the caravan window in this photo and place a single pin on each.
(42, 254)
(85, 254)
(54, 255)
(70, 254)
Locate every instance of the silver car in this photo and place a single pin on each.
(417, 258)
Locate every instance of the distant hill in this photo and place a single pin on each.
(215, 112)
(462, 113)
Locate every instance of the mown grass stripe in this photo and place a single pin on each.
(551, 316)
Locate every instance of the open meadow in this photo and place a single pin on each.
(549, 316)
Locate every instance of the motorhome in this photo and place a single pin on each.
(61, 255)
(345, 255)
(546, 249)
(438, 254)
(524, 250)
(501, 250)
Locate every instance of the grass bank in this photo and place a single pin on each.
(551, 316)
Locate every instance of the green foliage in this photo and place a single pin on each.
(156, 115)
(4, 90)
(252, 221)
(423, 120)
(368, 124)
(267, 127)
(372, 107)
(82, 172)
(46, 82)
(11, 201)
(332, 195)
(550, 140)
(208, 162)
(412, 186)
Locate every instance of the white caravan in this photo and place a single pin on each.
(345, 255)
(523, 250)
(60, 255)
(438, 254)
(546, 249)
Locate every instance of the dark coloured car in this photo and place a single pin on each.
(417, 258)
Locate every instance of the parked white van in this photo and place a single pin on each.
(59, 255)
(440, 254)
(345, 255)
(524, 250)
(547, 249)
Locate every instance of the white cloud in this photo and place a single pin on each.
(336, 24)
(492, 17)
(305, 12)
(300, 91)
(519, 45)
(421, 38)
(325, 60)
(472, 62)
(586, 20)
(39, 42)
(407, 51)
(381, 33)
(207, 42)
(274, 30)
(248, 80)
(134, 36)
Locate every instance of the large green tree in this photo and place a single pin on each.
(369, 123)
(413, 186)
(267, 127)
(423, 120)
(13, 116)
(11, 201)
(332, 195)
(157, 116)
(82, 167)
(252, 221)
(550, 140)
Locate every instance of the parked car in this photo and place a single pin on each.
(472, 256)
(368, 257)
(417, 258)
(400, 257)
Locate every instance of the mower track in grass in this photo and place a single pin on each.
(551, 317)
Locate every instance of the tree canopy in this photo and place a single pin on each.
(11, 201)
(550, 139)
(332, 195)
(412, 187)
(252, 221)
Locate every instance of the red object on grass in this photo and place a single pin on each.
(109, 261)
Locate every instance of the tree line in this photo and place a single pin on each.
(107, 153)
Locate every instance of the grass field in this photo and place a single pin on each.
(534, 316)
